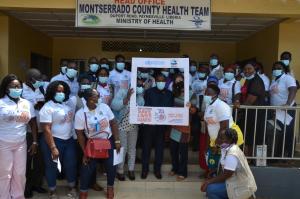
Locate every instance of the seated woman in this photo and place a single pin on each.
(236, 180)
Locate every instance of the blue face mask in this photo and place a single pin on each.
(139, 90)
(207, 99)
(37, 84)
(85, 86)
(286, 62)
(224, 146)
(94, 67)
(193, 69)
(64, 69)
(165, 73)
(105, 66)
(201, 75)
(15, 92)
(59, 97)
(250, 77)
(144, 75)
(276, 73)
(71, 73)
(103, 80)
(120, 66)
(213, 62)
(160, 85)
(229, 76)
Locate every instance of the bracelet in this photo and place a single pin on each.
(34, 143)
(117, 142)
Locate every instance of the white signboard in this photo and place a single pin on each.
(159, 115)
(144, 14)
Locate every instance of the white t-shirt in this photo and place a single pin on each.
(61, 117)
(226, 90)
(266, 81)
(193, 78)
(279, 89)
(104, 93)
(230, 162)
(198, 88)
(214, 114)
(119, 80)
(14, 118)
(97, 121)
(33, 96)
(74, 85)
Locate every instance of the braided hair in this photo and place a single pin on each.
(231, 134)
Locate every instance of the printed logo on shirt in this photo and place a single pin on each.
(68, 118)
(104, 124)
(210, 120)
(223, 94)
(274, 89)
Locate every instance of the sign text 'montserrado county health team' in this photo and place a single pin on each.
(143, 9)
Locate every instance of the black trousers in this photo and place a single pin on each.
(153, 134)
(35, 165)
(179, 154)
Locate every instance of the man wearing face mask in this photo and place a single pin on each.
(104, 63)
(70, 77)
(215, 67)
(157, 96)
(286, 59)
(169, 78)
(63, 70)
(119, 78)
(193, 72)
(35, 167)
(93, 69)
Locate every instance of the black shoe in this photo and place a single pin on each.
(144, 175)
(28, 193)
(158, 175)
(39, 190)
(131, 175)
(121, 177)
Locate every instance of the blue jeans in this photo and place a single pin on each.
(67, 157)
(216, 191)
(87, 171)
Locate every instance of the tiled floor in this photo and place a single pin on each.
(167, 188)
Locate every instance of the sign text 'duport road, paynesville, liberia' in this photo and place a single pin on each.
(145, 14)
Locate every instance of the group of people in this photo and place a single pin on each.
(76, 121)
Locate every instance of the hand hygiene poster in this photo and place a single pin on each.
(144, 14)
(159, 115)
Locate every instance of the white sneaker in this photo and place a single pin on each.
(72, 194)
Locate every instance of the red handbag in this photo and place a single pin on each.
(96, 147)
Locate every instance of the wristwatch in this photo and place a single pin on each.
(117, 142)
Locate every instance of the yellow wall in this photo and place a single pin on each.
(81, 48)
(3, 46)
(289, 40)
(23, 40)
(262, 45)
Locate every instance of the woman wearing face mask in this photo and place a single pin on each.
(236, 180)
(168, 77)
(129, 133)
(252, 94)
(96, 121)
(57, 143)
(104, 89)
(179, 138)
(283, 91)
(84, 83)
(229, 87)
(15, 114)
(104, 63)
